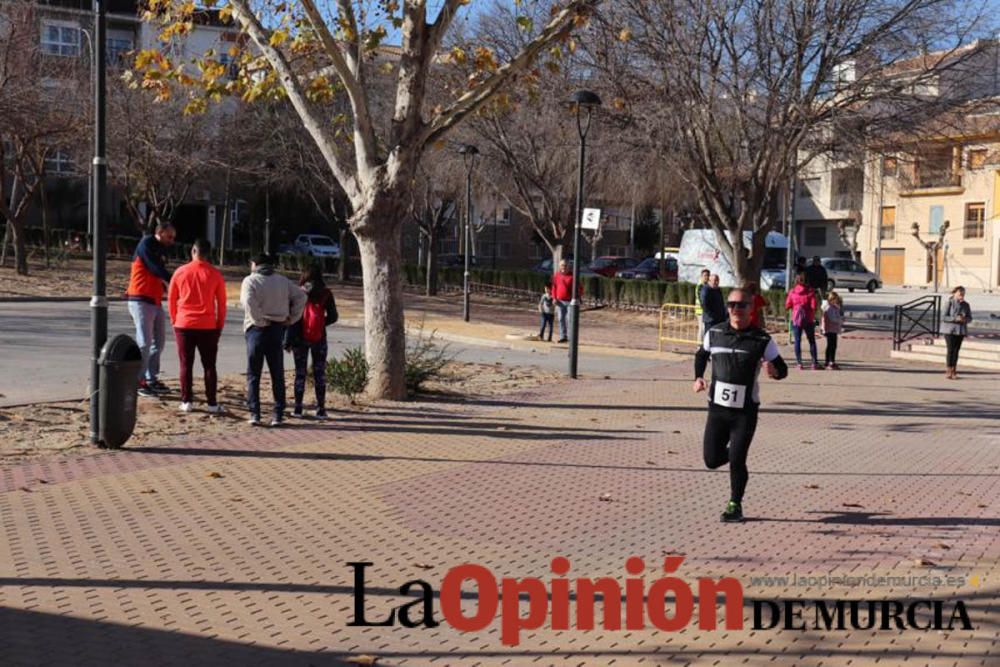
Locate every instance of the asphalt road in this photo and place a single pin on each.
(45, 350)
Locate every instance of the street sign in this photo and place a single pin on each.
(591, 219)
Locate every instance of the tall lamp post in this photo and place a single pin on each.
(98, 224)
(585, 102)
(468, 153)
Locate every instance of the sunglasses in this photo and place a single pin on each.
(737, 305)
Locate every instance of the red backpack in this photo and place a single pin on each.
(314, 321)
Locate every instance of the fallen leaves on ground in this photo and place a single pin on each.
(605, 497)
(147, 491)
(362, 660)
(812, 486)
(851, 505)
(924, 562)
(423, 566)
(214, 475)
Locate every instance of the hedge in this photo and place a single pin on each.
(616, 292)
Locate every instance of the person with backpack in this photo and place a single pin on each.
(801, 302)
(308, 337)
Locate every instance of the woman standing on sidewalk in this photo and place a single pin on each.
(957, 316)
(801, 302)
(831, 326)
(308, 337)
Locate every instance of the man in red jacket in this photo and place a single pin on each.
(562, 292)
(197, 303)
(144, 295)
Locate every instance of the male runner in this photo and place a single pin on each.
(737, 351)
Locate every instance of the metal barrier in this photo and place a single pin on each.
(920, 317)
(678, 324)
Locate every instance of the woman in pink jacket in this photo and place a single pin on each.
(801, 303)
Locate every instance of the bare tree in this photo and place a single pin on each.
(42, 104)
(313, 52)
(746, 92)
(433, 206)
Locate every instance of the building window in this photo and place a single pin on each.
(890, 166)
(58, 163)
(936, 167)
(975, 215)
(60, 39)
(888, 228)
(936, 219)
(118, 49)
(809, 187)
(815, 235)
(977, 158)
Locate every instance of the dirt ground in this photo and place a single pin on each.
(55, 429)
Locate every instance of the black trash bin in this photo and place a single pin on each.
(120, 363)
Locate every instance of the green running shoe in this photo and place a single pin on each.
(733, 513)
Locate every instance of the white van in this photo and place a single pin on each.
(700, 250)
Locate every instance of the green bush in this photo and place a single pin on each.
(349, 374)
(425, 360)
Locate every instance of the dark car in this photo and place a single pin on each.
(545, 268)
(454, 261)
(649, 269)
(610, 265)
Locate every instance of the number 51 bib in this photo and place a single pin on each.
(729, 395)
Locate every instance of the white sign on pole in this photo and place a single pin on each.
(591, 219)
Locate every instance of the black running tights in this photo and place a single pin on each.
(735, 428)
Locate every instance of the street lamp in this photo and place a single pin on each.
(585, 101)
(99, 300)
(268, 167)
(468, 153)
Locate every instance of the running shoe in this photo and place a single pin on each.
(187, 406)
(254, 420)
(733, 513)
(145, 391)
(277, 420)
(321, 413)
(216, 409)
(801, 367)
(834, 367)
(563, 340)
(297, 412)
(817, 367)
(158, 387)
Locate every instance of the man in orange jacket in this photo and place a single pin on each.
(144, 295)
(197, 303)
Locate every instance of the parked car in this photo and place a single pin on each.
(850, 274)
(700, 250)
(649, 269)
(772, 279)
(545, 268)
(454, 261)
(316, 245)
(610, 265)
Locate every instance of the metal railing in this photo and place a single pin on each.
(678, 324)
(917, 318)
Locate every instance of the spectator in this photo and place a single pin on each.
(801, 302)
(546, 309)
(832, 325)
(146, 284)
(816, 277)
(758, 306)
(712, 303)
(308, 337)
(699, 309)
(957, 316)
(562, 292)
(197, 304)
(270, 303)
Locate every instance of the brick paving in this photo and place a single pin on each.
(234, 550)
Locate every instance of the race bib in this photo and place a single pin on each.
(730, 395)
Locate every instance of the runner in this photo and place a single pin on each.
(737, 351)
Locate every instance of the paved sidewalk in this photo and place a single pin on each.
(235, 551)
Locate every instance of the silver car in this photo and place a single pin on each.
(841, 273)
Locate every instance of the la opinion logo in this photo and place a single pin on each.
(667, 603)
